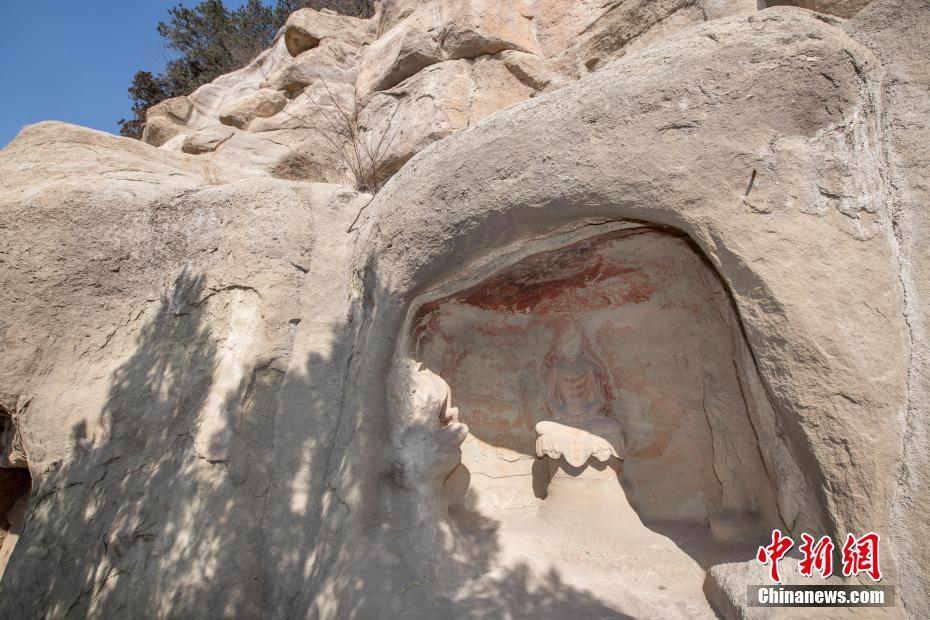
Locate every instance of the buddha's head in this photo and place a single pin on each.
(571, 343)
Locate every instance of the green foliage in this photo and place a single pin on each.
(209, 40)
(146, 91)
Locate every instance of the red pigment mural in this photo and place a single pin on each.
(630, 325)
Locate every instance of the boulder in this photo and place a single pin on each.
(177, 108)
(472, 28)
(727, 132)
(306, 29)
(725, 588)
(437, 102)
(166, 120)
(262, 103)
(159, 129)
(207, 140)
(401, 52)
(332, 61)
(442, 30)
(626, 26)
(395, 11)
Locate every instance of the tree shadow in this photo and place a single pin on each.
(267, 517)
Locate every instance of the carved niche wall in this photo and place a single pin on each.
(633, 325)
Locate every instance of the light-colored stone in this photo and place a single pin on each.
(207, 140)
(193, 300)
(654, 138)
(262, 103)
(166, 120)
(212, 371)
(159, 129)
(401, 52)
(442, 30)
(472, 28)
(542, 44)
(899, 33)
(601, 440)
(725, 588)
(11, 444)
(332, 62)
(626, 26)
(178, 108)
(306, 29)
(437, 102)
(840, 8)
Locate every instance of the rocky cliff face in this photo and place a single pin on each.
(225, 381)
(413, 74)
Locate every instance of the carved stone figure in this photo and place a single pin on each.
(578, 399)
(576, 386)
(11, 444)
(427, 433)
(600, 439)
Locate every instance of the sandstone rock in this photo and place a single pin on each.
(234, 393)
(438, 101)
(207, 140)
(401, 52)
(641, 140)
(12, 455)
(159, 130)
(262, 103)
(626, 26)
(472, 28)
(166, 120)
(532, 70)
(395, 11)
(725, 588)
(333, 49)
(899, 33)
(438, 31)
(716, 9)
(840, 8)
(306, 29)
(403, 121)
(497, 87)
(734, 526)
(332, 61)
(178, 108)
(184, 283)
(313, 110)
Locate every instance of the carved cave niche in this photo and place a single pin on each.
(661, 328)
(15, 487)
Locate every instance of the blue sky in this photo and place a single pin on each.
(72, 60)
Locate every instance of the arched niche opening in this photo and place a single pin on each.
(15, 487)
(666, 359)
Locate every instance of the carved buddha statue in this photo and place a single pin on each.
(578, 400)
(575, 384)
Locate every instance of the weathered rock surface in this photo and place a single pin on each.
(184, 299)
(262, 103)
(207, 139)
(840, 8)
(389, 64)
(244, 396)
(899, 32)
